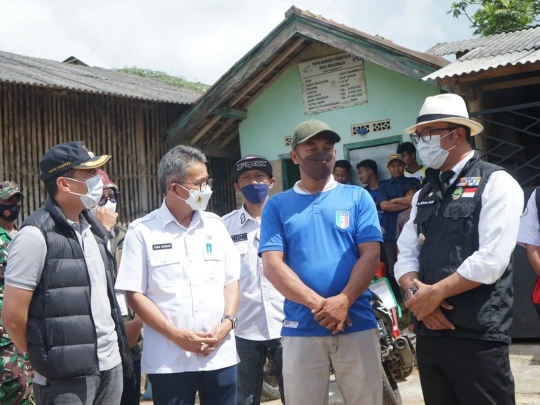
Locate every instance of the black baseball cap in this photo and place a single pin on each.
(251, 162)
(67, 156)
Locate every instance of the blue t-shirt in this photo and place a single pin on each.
(388, 189)
(373, 194)
(319, 235)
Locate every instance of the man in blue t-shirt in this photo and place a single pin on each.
(392, 200)
(367, 173)
(320, 248)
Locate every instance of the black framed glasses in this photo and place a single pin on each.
(109, 197)
(425, 134)
(203, 185)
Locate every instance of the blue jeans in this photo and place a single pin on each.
(252, 355)
(217, 387)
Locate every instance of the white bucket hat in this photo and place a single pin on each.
(446, 108)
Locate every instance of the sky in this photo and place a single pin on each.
(200, 39)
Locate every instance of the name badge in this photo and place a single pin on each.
(239, 238)
(162, 246)
(423, 203)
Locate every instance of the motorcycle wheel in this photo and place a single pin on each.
(270, 387)
(391, 395)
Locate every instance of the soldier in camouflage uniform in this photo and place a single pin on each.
(15, 373)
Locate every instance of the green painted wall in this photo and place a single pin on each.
(276, 113)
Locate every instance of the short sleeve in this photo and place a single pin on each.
(529, 226)
(133, 271)
(367, 227)
(382, 194)
(272, 232)
(26, 259)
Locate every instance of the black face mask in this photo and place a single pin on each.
(318, 166)
(10, 212)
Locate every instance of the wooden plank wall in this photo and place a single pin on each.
(33, 119)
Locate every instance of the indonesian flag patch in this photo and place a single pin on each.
(469, 192)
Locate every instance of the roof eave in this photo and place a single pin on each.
(298, 24)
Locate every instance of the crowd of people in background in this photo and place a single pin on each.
(285, 278)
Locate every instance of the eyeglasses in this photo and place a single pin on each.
(425, 134)
(109, 197)
(203, 184)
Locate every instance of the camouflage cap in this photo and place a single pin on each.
(8, 189)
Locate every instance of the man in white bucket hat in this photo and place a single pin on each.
(455, 261)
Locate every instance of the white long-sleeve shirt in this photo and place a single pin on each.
(502, 205)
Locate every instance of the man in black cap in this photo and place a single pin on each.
(59, 302)
(261, 305)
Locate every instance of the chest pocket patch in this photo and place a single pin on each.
(460, 212)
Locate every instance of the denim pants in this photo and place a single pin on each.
(216, 387)
(252, 355)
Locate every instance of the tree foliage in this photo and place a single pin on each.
(166, 78)
(495, 16)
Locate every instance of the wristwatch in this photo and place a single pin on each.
(411, 291)
(230, 318)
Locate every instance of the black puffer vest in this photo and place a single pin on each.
(61, 334)
(448, 226)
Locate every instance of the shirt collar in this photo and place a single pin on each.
(459, 166)
(245, 216)
(330, 184)
(167, 217)
(80, 226)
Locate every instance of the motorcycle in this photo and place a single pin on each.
(397, 351)
(397, 357)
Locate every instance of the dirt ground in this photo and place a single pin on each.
(525, 360)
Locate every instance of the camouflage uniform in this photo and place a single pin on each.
(15, 372)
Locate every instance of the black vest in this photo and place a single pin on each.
(448, 226)
(61, 334)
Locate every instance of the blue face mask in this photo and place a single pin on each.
(255, 193)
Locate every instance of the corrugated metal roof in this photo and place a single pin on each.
(505, 42)
(504, 49)
(48, 73)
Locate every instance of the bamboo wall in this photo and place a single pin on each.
(33, 119)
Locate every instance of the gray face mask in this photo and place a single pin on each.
(94, 186)
(431, 152)
(318, 166)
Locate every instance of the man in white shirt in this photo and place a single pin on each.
(180, 272)
(529, 231)
(261, 305)
(455, 261)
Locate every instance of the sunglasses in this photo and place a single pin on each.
(110, 197)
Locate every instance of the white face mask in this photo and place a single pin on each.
(197, 200)
(431, 152)
(110, 206)
(94, 186)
